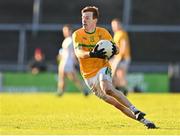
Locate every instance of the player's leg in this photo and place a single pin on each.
(127, 112)
(61, 82)
(110, 90)
(72, 76)
(99, 88)
(119, 69)
(130, 110)
(121, 74)
(119, 78)
(119, 96)
(105, 81)
(80, 85)
(100, 84)
(119, 106)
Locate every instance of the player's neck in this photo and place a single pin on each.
(90, 29)
(68, 36)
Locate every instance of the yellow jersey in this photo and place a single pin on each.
(122, 41)
(87, 41)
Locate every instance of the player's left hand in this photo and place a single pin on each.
(115, 50)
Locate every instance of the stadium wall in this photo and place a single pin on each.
(153, 28)
(26, 82)
(163, 45)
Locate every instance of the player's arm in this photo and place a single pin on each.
(78, 49)
(80, 53)
(59, 56)
(93, 54)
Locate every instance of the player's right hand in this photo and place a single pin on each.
(115, 50)
(97, 53)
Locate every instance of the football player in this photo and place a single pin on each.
(66, 67)
(95, 67)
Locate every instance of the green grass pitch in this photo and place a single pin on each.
(45, 113)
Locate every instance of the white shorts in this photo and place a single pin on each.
(67, 67)
(94, 82)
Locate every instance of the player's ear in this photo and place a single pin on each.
(96, 20)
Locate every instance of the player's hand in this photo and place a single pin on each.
(97, 53)
(115, 50)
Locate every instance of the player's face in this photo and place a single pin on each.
(87, 20)
(115, 26)
(66, 32)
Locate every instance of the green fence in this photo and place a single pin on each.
(153, 82)
(48, 82)
(28, 82)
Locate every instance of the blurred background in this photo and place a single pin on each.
(153, 27)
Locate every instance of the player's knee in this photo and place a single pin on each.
(104, 87)
(108, 91)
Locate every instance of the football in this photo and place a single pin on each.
(107, 46)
